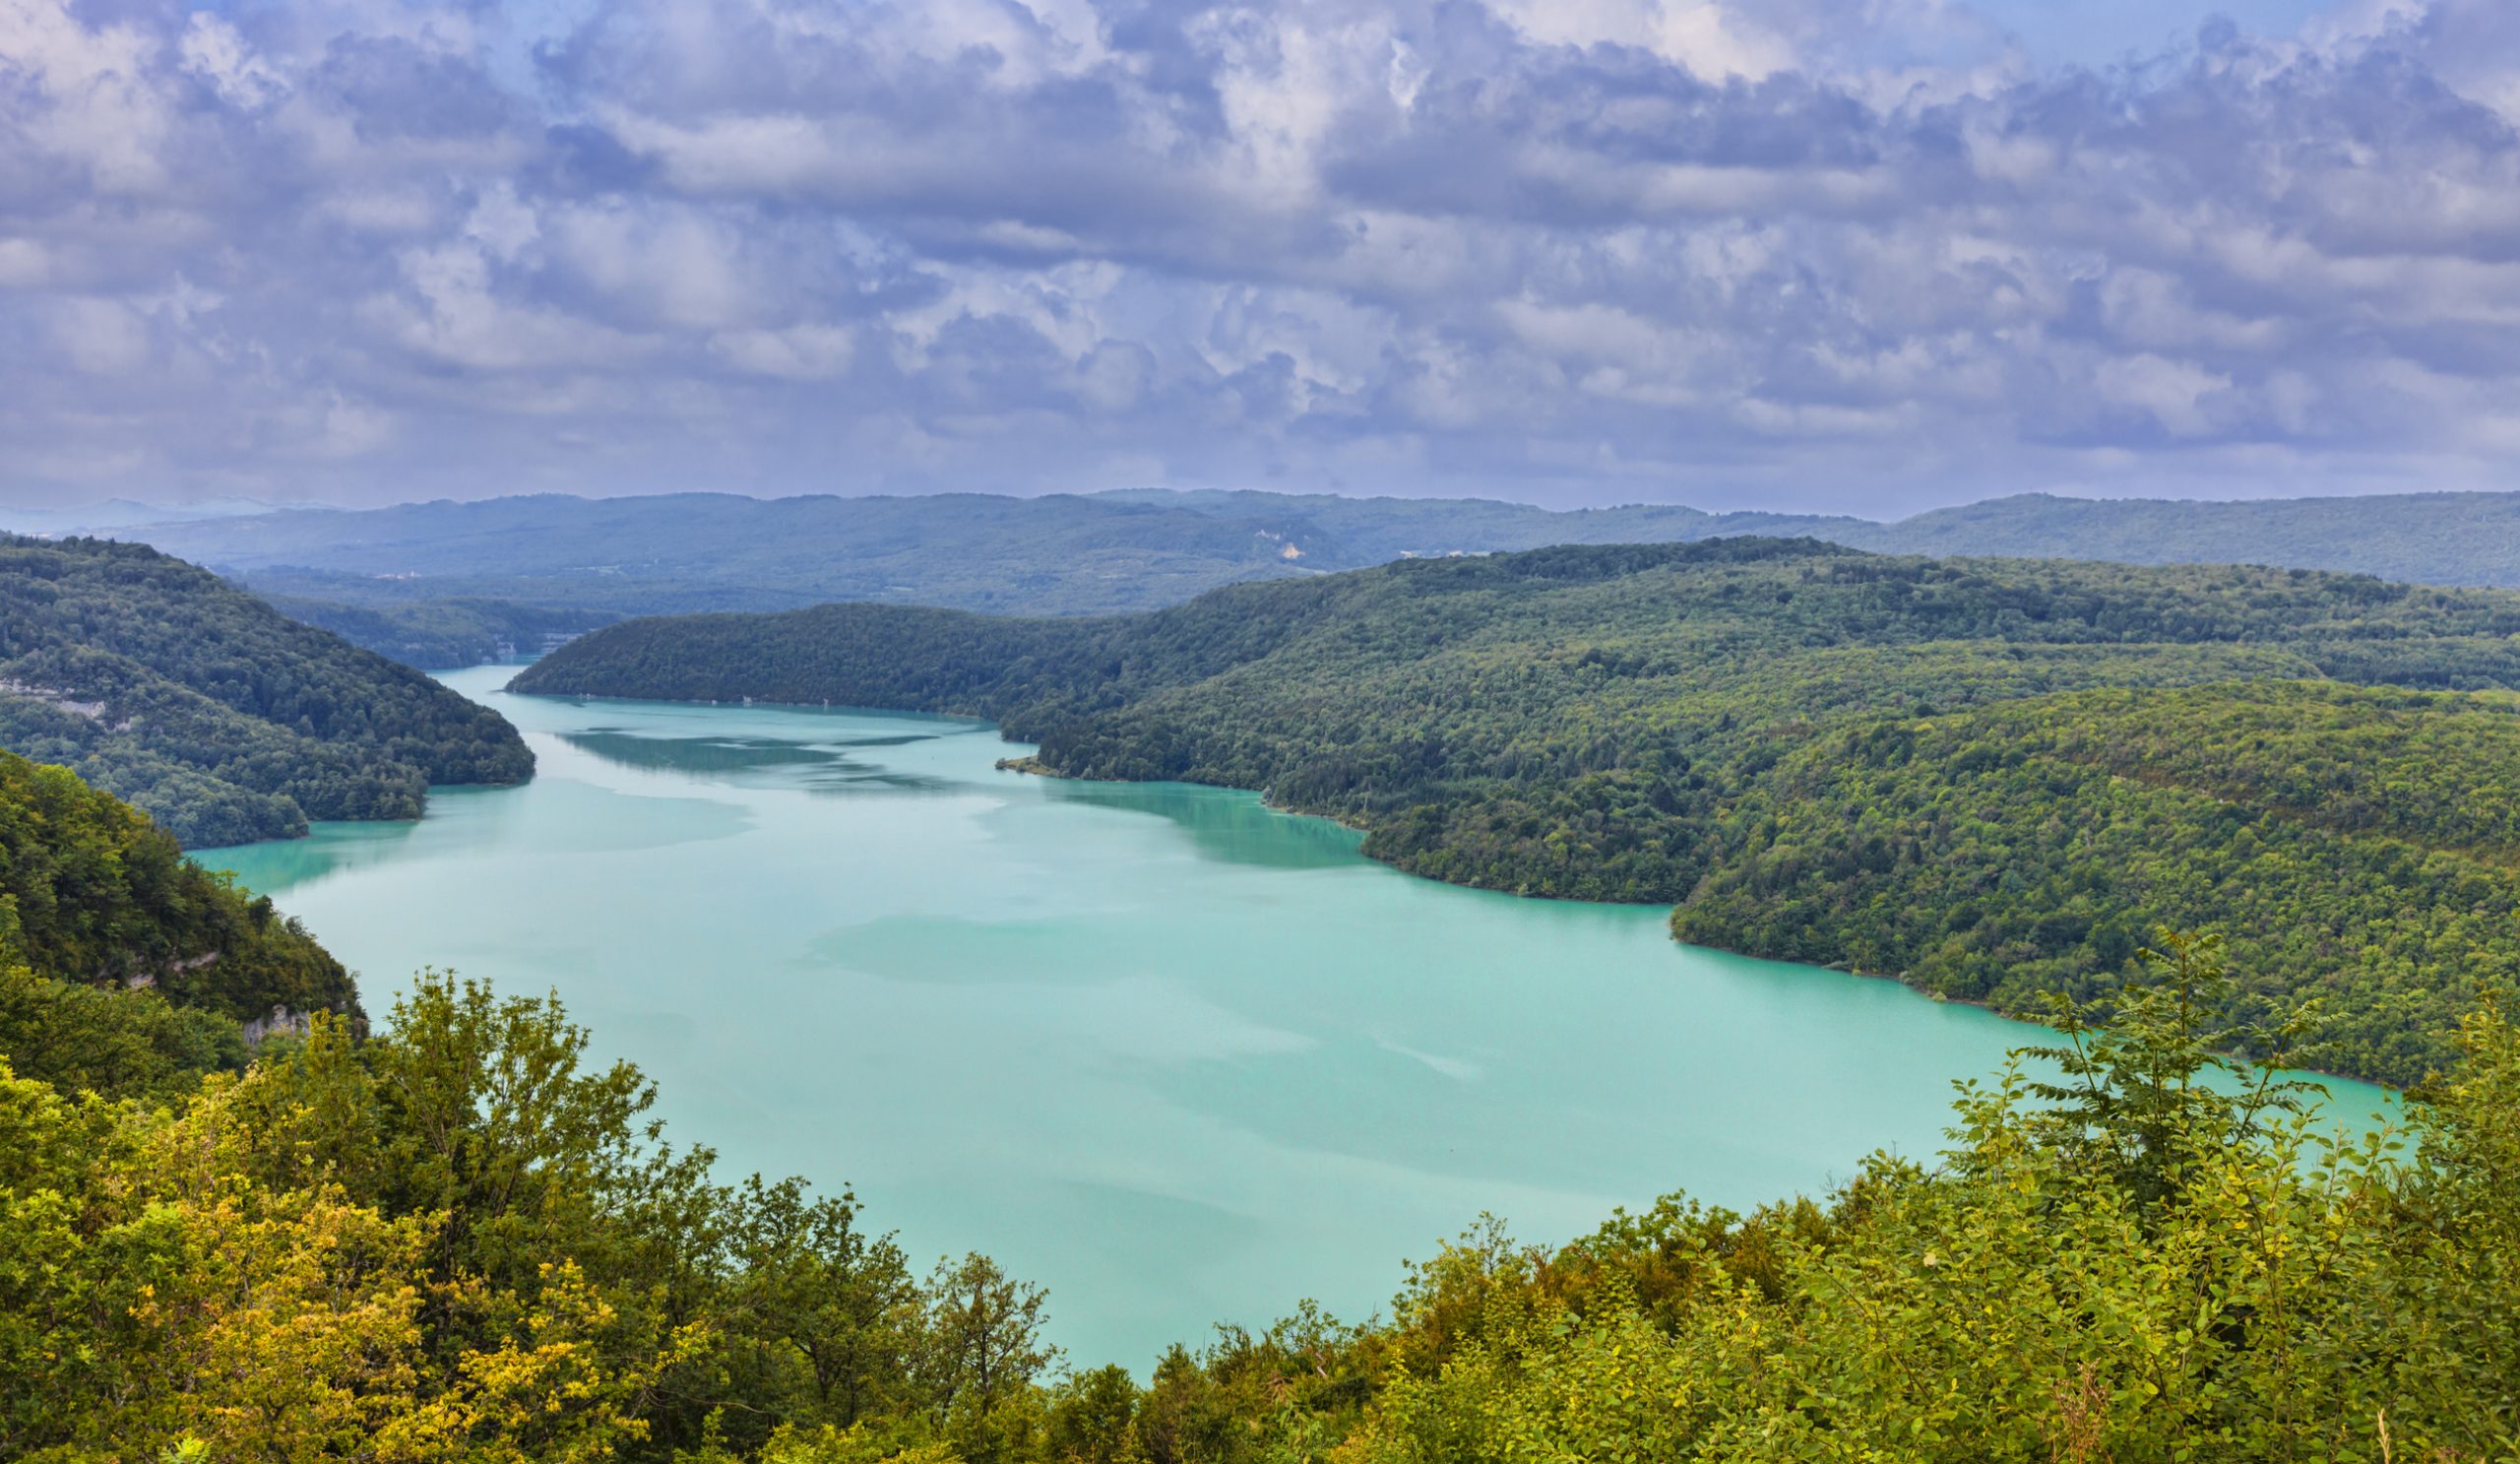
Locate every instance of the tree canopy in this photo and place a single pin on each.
(224, 719)
(460, 1240)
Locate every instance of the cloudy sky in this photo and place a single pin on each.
(1863, 255)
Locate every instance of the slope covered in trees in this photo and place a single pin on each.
(2358, 842)
(2444, 539)
(1692, 723)
(462, 1240)
(124, 966)
(224, 719)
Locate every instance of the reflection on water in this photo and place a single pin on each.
(1223, 825)
(1178, 1057)
(327, 849)
(813, 767)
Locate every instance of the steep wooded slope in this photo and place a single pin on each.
(227, 720)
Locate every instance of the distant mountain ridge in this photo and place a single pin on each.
(438, 635)
(1139, 549)
(2441, 539)
(1059, 554)
(125, 513)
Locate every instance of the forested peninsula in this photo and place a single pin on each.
(1925, 768)
(221, 717)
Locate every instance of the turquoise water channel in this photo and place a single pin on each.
(1177, 1056)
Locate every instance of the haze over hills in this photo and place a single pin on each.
(1140, 550)
(434, 634)
(1059, 554)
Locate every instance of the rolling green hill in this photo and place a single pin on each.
(1694, 724)
(2440, 538)
(220, 716)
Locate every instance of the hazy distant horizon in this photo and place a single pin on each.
(177, 510)
(222, 506)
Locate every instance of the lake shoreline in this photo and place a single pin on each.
(1031, 764)
(1176, 1055)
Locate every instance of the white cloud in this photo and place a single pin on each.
(1520, 248)
(92, 96)
(1713, 40)
(2175, 393)
(101, 337)
(23, 264)
(348, 430)
(799, 352)
(501, 223)
(452, 313)
(213, 51)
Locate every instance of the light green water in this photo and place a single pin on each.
(1178, 1057)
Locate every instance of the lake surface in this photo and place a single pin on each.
(1177, 1056)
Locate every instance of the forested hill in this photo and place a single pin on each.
(223, 718)
(125, 967)
(1057, 555)
(1811, 751)
(2448, 538)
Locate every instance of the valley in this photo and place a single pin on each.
(1176, 1055)
(1892, 764)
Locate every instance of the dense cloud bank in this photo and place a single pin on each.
(1827, 253)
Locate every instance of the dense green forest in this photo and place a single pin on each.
(221, 717)
(460, 1240)
(1704, 724)
(1141, 550)
(124, 966)
(437, 634)
(2440, 538)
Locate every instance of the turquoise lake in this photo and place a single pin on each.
(1177, 1056)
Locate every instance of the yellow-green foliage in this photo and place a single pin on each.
(460, 1244)
(2288, 1300)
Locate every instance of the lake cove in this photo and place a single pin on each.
(1177, 1056)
